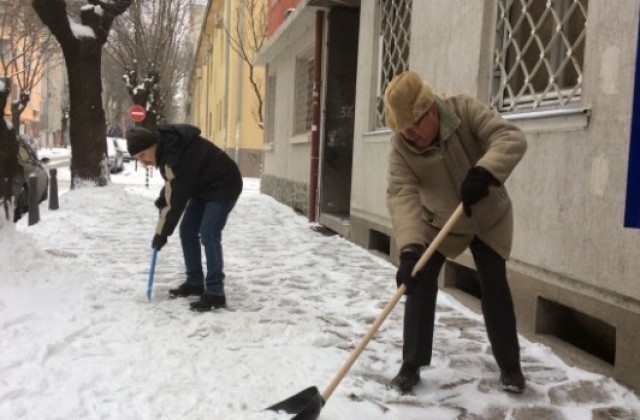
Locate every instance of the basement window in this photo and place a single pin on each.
(583, 331)
(459, 277)
(380, 242)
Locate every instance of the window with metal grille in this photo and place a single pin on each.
(270, 116)
(393, 52)
(539, 54)
(304, 95)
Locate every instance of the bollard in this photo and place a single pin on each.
(53, 189)
(34, 211)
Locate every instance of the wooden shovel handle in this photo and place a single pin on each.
(391, 304)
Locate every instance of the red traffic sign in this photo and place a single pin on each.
(137, 113)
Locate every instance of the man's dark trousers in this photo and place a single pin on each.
(497, 308)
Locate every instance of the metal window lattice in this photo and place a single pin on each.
(395, 26)
(270, 110)
(539, 54)
(304, 95)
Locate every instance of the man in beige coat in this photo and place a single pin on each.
(445, 151)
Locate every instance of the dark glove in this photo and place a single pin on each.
(160, 202)
(158, 242)
(408, 259)
(475, 187)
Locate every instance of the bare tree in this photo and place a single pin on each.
(152, 47)
(246, 37)
(146, 93)
(82, 49)
(26, 46)
(115, 98)
(8, 157)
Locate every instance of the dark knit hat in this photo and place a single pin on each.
(138, 139)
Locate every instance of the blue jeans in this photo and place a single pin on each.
(204, 221)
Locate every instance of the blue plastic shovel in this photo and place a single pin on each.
(154, 257)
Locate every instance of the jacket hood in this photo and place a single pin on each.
(186, 131)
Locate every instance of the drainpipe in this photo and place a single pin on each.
(207, 121)
(315, 117)
(225, 106)
(239, 87)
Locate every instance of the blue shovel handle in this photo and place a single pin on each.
(154, 257)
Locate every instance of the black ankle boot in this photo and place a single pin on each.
(186, 289)
(406, 379)
(207, 302)
(512, 380)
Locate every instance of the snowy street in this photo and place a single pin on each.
(80, 340)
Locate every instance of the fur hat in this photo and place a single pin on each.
(139, 139)
(406, 99)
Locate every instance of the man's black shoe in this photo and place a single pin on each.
(512, 380)
(186, 289)
(406, 379)
(207, 302)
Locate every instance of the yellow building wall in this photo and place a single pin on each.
(224, 104)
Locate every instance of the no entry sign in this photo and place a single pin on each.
(137, 113)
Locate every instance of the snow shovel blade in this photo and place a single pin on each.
(306, 405)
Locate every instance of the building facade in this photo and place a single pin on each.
(223, 101)
(563, 71)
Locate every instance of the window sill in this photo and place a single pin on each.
(380, 135)
(267, 147)
(301, 138)
(568, 119)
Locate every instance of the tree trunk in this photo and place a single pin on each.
(87, 123)
(15, 119)
(8, 162)
(83, 56)
(17, 108)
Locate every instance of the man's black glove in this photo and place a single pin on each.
(408, 259)
(158, 242)
(475, 187)
(160, 202)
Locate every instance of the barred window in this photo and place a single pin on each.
(395, 25)
(539, 54)
(304, 95)
(270, 117)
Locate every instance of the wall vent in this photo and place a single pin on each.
(583, 331)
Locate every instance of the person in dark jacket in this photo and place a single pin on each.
(202, 182)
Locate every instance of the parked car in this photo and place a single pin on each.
(122, 144)
(28, 164)
(115, 156)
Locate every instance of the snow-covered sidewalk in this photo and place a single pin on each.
(80, 341)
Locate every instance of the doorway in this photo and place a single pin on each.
(339, 108)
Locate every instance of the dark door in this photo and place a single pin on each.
(337, 145)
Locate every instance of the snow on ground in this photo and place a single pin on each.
(80, 340)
